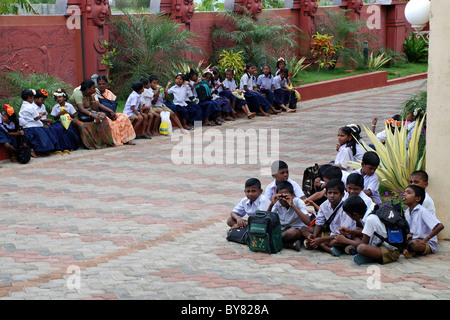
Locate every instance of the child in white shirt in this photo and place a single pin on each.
(420, 178)
(369, 165)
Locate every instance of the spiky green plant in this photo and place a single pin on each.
(398, 159)
(229, 59)
(265, 36)
(148, 44)
(415, 49)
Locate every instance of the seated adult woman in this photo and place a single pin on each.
(92, 125)
(121, 127)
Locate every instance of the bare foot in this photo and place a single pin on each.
(251, 115)
(408, 254)
(33, 154)
(291, 110)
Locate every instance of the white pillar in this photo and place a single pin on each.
(438, 109)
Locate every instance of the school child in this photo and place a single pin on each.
(346, 147)
(280, 173)
(393, 123)
(355, 207)
(292, 212)
(230, 85)
(40, 138)
(411, 119)
(254, 201)
(210, 108)
(221, 97)
(9, 130)
(369, 164)
(189, 113)
(147, 107)
(39, 99)
(193, 81)
(159, 93)
(133, 109)
(420, 178)
(265, 85)
(283, 95)
(355, 186)
(256, 102)
(68, 139)
(321, 235)
(281, 63)
(423, 225)
(372, 249)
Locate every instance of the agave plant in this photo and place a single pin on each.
(295, 67)
(148, 44)
(415, 48)
(376, 62)
(398, 159)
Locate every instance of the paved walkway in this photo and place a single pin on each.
(127, 223)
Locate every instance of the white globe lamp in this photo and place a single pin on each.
(417, 13)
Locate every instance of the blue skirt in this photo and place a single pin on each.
(210, 109)
(255, 100)
(269, 95)
(66, 139)
(224, 103)
(192, 112)
(4, 137)
(40, 139)
(283, 96)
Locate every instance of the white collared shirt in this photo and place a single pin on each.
(421, 222)
(371, 183)
(57, 109)
(341, 219)
(271, 189)
(28, 113)
(288, 216)
(245, 207)
(373, 224)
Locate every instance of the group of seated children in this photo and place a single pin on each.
(345, 220)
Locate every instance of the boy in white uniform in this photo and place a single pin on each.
(292, 212)
(420, 178)
(254, 201)
(369, 165)
(280, 172)
(423, 225)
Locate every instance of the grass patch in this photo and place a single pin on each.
(397, 71)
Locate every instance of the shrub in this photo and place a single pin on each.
(416, 49)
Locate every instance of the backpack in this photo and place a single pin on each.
(397, 227)
(264, 232)
(23, 154)
(203, 91)
(309, 175)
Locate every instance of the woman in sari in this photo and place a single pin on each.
(92, 125)
(120, 125)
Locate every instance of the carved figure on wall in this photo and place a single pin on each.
(100, 11)
(254, 7)
(355, 5)
(310, 7)
(183, 10)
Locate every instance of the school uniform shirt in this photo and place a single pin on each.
(359, 153)
(193, 91)
(429, 204)
(41, 109)
(134, 99)
(57, 109)
(147, 97)
(28, 113)
(245, 207)
(421, 222)
(288, 216)
(369, 204)
(374, 225)
(341, 219)
(344, 155)
(159, 102)
(230, 85)
(265, 82)
(279, 83)
(180, 94)
(271, 189)
(371, 183)
(249, 81)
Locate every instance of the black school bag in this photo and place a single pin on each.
(23, 154)
(203, 91)
(397, 227)
(264, 232)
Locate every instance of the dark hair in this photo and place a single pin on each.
(284, 70)
(253, 182)
(284, 185)
(421, 174)
(230, 70)
(279, 62)
(335, 183)
(86, 84)
(248, 66)
(14, 119)
(277, 165)
(144, 80)
(322, 170)
(356, 179)
(332, 172)
(40, 94)
(137, 86)
(102, 77)
(418, 191)
(270, 70)
(354, 204)
(353, 131)
(193, 72)
(371, 158)
(27, 93)
(152, 78)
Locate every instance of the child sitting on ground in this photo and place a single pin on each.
(254, 201)
(423, 225)
(293, 214)
(280, 173)
(330, 218)
(369, 165)
(420, 178)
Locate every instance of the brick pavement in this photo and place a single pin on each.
(129, 224)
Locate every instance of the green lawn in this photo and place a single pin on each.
(401, 70)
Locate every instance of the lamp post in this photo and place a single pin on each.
(417, 13)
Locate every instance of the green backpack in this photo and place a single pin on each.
(264, 232)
